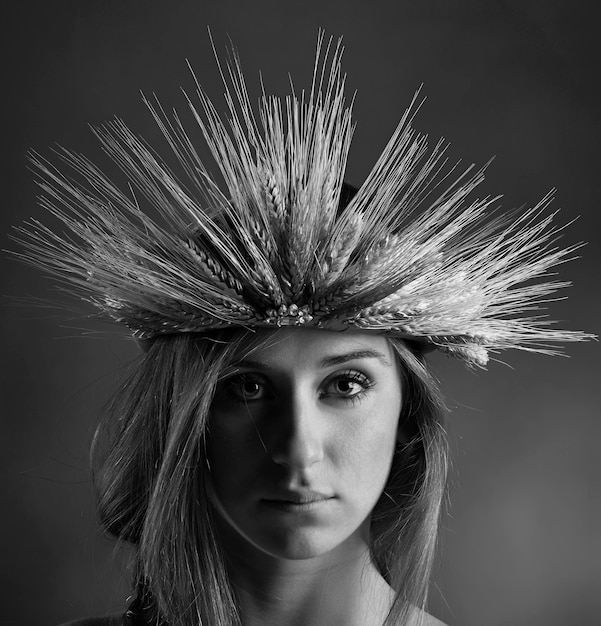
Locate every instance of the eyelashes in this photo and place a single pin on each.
(250, 387)
(247, 388)
(347, 385)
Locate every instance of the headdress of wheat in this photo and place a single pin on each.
(412, 254)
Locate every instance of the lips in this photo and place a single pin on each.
(304, 499)
(300, 496)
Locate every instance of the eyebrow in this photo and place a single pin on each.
(337, 359)
(327, 361)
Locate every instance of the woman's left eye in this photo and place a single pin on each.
(347, 385)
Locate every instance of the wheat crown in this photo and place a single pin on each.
(412, 254)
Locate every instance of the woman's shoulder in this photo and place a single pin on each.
(110, 620)
(421, 618)
(430, 620)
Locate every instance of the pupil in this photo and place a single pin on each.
(251, 388)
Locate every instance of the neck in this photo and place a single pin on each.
(342, 587)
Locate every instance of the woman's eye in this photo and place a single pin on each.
(347, 385)
(247, 388)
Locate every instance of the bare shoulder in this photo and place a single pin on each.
(421, 618)
(430, 620)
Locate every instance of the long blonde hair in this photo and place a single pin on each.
(150, 468)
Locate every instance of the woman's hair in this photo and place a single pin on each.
(150, 470)
(404, 526)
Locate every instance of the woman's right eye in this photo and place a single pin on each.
(247, 388)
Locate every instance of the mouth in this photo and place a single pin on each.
(296, 501)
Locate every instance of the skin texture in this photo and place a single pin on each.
(297, 422)
(307, 415)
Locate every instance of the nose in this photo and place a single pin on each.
(297, 441)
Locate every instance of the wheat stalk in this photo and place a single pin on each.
(412, 255)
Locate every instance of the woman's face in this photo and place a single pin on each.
(301, 438)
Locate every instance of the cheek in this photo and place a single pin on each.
(366, 446)
(234, 450)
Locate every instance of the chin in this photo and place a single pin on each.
(300, 544)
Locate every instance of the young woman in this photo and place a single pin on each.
(279, 455)
(308, 465)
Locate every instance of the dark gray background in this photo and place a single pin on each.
(515, 79)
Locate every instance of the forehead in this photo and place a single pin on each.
(311, 347)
